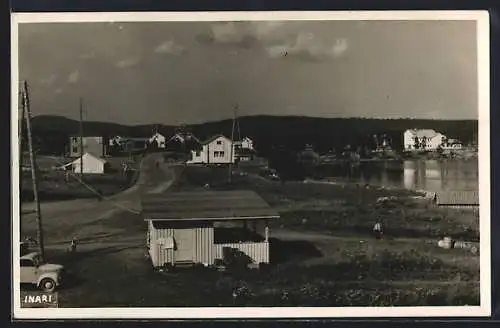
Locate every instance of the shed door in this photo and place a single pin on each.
(184, 244)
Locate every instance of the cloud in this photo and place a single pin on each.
(125, 63)
(232, 33)
(74, 77)
(88, 55)
(307, 46)
(48, 81)
(277, 38)
(169, 47)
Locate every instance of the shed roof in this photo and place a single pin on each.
(206, 205)
(88, 156)
(462, 197)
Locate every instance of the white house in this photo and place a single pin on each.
(159, 139)
(216, 150)
(92, 164)
(426, 139)
(117, 140)
(96, 145)
(453, 144)
(183, 137)
(245, 143)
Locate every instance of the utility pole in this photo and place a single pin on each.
(22, 118)
(230, 177)
(21, 155)
(26, 105)
(81, 138)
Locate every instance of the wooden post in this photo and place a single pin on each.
(33, 171)
(230, 177)
(266, 231)
(21, 158)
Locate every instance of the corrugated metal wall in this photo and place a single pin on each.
(203, 240)
(258, 252)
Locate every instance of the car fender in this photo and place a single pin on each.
(51, 275)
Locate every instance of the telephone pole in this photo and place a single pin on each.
(230, 177)
(21, 155)
(81, 138)
(26, 105)
(20, 134)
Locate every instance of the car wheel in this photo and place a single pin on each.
(47, 285)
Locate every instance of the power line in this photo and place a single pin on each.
(98, 193)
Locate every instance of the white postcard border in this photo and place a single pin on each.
(482, 18)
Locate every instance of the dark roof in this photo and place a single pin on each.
(206, 205)
(464, 197)
(212, 138)
(189, 137)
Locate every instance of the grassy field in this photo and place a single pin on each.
(53, 185)
(321, 249)
(330, 257)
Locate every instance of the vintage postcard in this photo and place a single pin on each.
(251, 165)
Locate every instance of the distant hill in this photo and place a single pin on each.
(47, 124)
(268, 132)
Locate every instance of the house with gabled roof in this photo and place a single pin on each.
(423, 140)
(92, 164)
(158, 140)
(216, 150)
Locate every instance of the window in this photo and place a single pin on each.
(198, 153)
(75, 149)
(218, 154)
(26, 263)
(219, 142)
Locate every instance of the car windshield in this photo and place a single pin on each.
(37, 260)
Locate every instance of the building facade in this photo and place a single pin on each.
(216, 150)
(92, 164)
(94, 145)
(159, 140)
(423, 140)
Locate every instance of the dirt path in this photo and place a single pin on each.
(85, 218)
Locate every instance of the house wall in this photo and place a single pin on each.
(90, 166)
(247, 143)
(202, 246)
(409, 140)
(204, 249)
(159, 139)
(431, 143)
(211, 153)
(95, 145)
(220, 153)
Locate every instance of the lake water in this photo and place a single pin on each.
(429, 175)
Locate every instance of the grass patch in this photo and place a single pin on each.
(53, 185)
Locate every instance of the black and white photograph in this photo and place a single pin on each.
(250, 164)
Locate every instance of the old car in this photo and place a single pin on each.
(45, 276)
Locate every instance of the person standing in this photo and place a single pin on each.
(73, 245)
(377, 230)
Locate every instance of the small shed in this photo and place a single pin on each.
(92, 164)
(200, 226)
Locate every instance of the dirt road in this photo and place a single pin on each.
(93, 222)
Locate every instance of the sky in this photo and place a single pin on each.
(192, 72)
